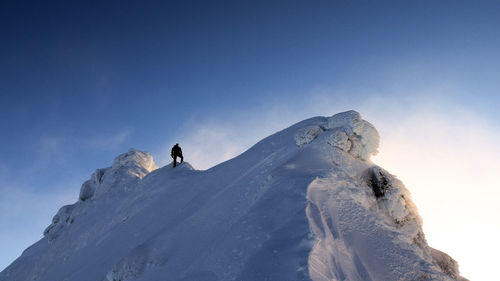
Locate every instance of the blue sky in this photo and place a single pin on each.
(83, 81)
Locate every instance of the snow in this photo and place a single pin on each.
(347, 131)
(303, 204)
(128, 166)
(307, 135)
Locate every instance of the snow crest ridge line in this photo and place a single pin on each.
(305, 203)
(127, 168)
(347, 131)
(358, 212)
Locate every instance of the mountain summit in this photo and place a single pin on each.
(303, 204)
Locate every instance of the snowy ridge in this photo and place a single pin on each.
(303, 204)
(347, 131)
(126, 167)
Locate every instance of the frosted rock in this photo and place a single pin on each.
(307, 135)
(353, 135)
(394, 200)
(128, 166)
(341, 140)
(86, 191)
(447, 264)
(348, 131)
(378, 181)
(98, 175)
(89, 187)
(367, 137)
(62, 217)
(343, 119)
(135, 162)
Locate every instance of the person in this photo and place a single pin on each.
(176, 152)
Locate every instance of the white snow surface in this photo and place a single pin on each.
(127, 167)
(303, 204)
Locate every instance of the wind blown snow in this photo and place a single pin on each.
(303, 204)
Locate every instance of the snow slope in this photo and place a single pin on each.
(303, 204)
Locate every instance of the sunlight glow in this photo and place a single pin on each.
(446, 157)
(450, 165)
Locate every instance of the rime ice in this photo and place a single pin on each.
(347, 131)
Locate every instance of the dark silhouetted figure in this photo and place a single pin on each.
(176, 152)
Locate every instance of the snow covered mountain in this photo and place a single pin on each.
(303, 204)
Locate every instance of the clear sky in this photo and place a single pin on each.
(83, 81)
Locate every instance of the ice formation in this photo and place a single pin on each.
(303, 204)
(347, 131)
(128, 166)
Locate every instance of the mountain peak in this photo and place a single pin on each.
(302, 204)
(138, 163)
(131, 165)
(127, 168)
(346, 131)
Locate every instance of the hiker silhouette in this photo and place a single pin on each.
(176, 152)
